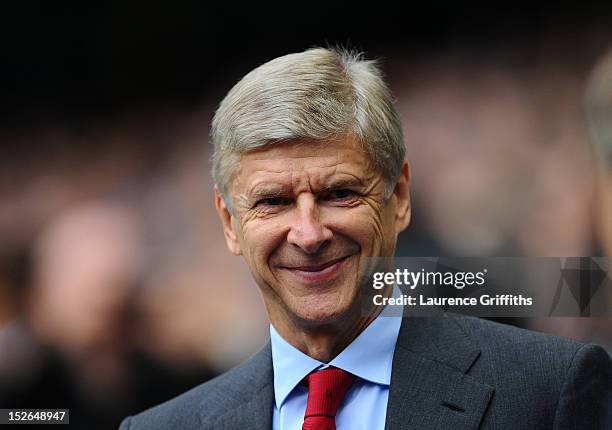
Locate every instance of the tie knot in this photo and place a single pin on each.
(326, 390)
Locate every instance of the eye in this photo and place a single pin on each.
(341, 194)
(273, 201)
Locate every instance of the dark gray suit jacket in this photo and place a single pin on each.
(449, 372)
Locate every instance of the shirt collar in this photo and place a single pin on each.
(369, 356)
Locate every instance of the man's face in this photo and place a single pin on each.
(306, 214)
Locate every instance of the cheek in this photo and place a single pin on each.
(363, 225)
(259, 239)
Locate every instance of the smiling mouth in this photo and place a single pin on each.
(320, 272)
(317, 268)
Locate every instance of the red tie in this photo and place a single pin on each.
(326, 390)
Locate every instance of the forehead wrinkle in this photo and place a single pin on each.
(301, 171)
(293, 157)
(284, 164)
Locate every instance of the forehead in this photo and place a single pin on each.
(319, 159)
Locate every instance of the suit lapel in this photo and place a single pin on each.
(253, 414)
(429, 386)
(252, 409)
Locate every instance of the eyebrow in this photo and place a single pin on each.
(265, 191)
(342, 183)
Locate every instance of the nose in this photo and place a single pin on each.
(307, 232)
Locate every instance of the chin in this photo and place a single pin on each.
(316, 312)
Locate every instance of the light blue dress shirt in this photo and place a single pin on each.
(369, 357)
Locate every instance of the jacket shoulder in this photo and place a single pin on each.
(211, 398)
(497, 339)
(511, 351)
(542, 378)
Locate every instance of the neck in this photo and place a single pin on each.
(324, 341)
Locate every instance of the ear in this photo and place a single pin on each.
(402, 197)
(231, 239)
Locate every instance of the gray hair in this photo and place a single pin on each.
(314, 94)
(599, 110)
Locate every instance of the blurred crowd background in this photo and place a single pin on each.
(116, 289)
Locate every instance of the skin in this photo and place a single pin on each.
(305, 216)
